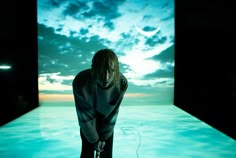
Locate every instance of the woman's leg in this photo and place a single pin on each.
(107, 153)
(87, 148)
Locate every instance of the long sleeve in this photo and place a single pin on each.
(85, 111)
(109, 122)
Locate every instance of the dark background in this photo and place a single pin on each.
(18, 44)
(205, 78)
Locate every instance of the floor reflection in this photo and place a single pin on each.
(140, 132)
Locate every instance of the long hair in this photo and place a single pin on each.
(105, 59)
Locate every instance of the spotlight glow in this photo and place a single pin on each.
(5, 67)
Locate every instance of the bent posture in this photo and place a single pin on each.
(98, 93)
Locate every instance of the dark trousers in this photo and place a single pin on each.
(88, 148)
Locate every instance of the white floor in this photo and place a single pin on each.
(141, 132)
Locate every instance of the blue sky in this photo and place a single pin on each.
(140, 32)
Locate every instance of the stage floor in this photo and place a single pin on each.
(140, 132)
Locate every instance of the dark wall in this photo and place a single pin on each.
(18, 39)
(204, 75)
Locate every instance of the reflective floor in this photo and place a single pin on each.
(141, 132)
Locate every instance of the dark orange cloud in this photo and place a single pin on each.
(56, 97)
(136, 95)
(70, 97)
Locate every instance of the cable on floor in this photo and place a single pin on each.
(124, 130)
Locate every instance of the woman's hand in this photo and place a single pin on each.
(99, 145)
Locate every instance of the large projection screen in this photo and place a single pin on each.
(141, 33)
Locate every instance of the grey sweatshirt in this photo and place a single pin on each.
(97, 109)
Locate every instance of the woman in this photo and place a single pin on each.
(98, 93)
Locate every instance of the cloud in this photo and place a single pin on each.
(75, 9)
(155, 40)
(56, 3)
(152, 68)
(166, 55)
(83, 31)
(107, 9)
(153, 82)
(166, 59)
(140, 61)
(55, 97)
(162, 73)
(104, 11)
(54, 82)
(70, 32)
(110, 25)
(136, 95)
(67, 55)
